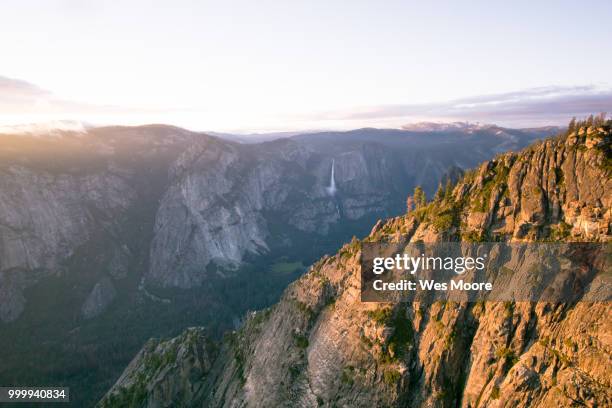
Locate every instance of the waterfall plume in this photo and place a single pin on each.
(331, 190)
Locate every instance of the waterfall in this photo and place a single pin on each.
(331, 190)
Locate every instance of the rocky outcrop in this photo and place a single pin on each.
(165, 373)
(101, 296)
(321, 346)
(554, 190)
(12, 300)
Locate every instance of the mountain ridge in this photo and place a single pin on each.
(320, 346)
(136, 230)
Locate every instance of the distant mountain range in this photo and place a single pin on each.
(428, 127)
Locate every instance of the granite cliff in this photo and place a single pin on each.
(321, 346)
(148, 230)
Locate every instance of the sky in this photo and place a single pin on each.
(257, 66)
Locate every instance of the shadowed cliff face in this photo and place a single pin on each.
(211, 202)
(64, 194)
(44, 218)
(321, 346)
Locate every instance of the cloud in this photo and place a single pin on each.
(22, 97)
(22, 102)
(14, 90)
(545, 105)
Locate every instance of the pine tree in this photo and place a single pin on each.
(448, 190)
(439, 193)
(589, 121)
(572, 125)
(419, 197)
(599, 119)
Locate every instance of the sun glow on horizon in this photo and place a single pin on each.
(277, 66)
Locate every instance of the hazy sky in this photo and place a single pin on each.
(282, 65)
